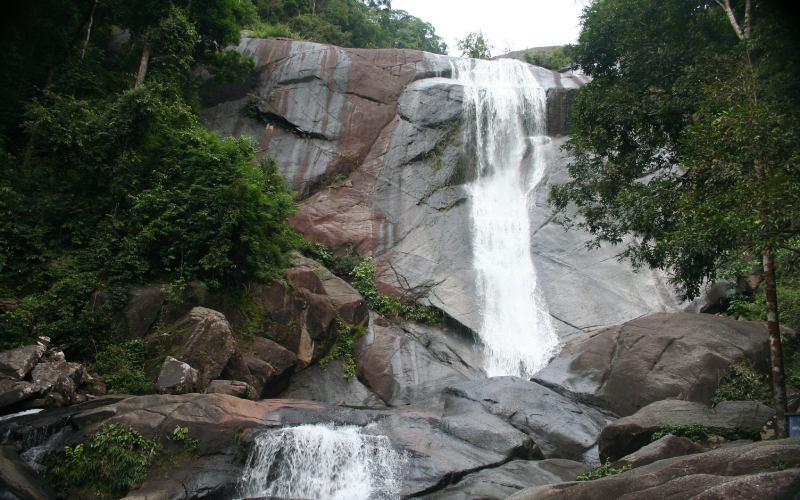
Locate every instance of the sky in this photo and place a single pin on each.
(508, 24)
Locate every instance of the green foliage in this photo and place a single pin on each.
(363, 276)
(680, 91)
(269, 30)
(555, 58)
(340, 265)
(742, 383)
(115, 459)
(122, 368)
(349, 23)
(475, 45)
(108, 464)
(602, 471)
(174, 199)
(702, 434)
(181, 436)
(344, 347)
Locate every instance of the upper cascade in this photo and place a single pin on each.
(504, 128)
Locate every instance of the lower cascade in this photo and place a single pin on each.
(505, 122)
(323, 462)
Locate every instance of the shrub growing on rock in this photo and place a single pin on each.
(108, 464)
(602, 471)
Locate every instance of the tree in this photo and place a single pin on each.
(685, 139)
(475, 45)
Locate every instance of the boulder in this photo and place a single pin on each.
(301, 310)
(209, 343)
(678, 355)
(144, 305)
(666, 447)
(280, 358)
(757, 468)
(329, 385)
(58, 381)
(399, 369)
(176, 377)
(17, 363)
(628, 434)
(347, 302)
(500, 482)
(232, 388)
(560, 427)
(13, 392)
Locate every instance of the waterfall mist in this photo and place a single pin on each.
(323, 462)
(505, 126)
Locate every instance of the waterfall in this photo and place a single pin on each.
(505, 130)
(323, 462)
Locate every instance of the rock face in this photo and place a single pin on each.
(560, 428)
(667, 355)
(750, 471)
(401, 370)
(371, 140)
(18, 481)
(328, 385)
(630, 433)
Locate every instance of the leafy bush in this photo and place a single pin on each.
(554, 58)
(267, 30)
(700, 433)
(122, 368)
(363, 276)
(114, 459)
(344, 347)
(108, 464)
(742, 383)
(602, 471)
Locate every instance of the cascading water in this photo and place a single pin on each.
(323, 462)
(505, 122)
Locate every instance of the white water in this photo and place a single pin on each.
(505, 123)
(323, 462)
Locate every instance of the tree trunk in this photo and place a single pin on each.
(775, 347)
(145, 60)
(88, 30)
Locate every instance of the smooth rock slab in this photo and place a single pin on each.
(758, 468)
(628, 434)
(679, 355)
(560, 427)
(500, 482)
(399, 369)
